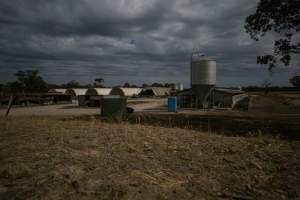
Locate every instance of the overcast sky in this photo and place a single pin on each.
(136, 41)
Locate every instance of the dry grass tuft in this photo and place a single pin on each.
(50, 158)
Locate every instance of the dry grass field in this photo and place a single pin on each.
(68, 158)
(276, 102)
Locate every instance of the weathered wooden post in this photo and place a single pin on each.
(9, 105)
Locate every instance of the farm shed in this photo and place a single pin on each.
(57, 90)
(77, 94)
(98, 91)
(127, 92)
(220, 97)
(186, 98)
(76, 91)
(156, 91)
(93, 96)
(223, 97)
(36, 98)
(57, 97)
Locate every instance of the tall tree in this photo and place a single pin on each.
(13, 87)
(126, 85)
(170, 85)
(72, 84)
(145, 85)
(30, 81)
(281, 17)
(98, 82)
(157, 85)
(266, 84)
(295, 81)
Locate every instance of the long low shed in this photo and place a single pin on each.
(35, 98)
(98, 91)
(127, 92)
(93, 97)
(219, 97)
(76, 91)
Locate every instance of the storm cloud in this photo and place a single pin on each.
(136, 41)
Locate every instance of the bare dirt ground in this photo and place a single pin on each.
(72, 109)
(274, 104)
(50, 110)
(67, 158)
(147, 104)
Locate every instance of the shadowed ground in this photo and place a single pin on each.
(68, 158)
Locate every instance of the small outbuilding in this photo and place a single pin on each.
(219, 97)
(186, 98)
(127, 92)
(224, 97)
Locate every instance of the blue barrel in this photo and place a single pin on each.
(172, 104)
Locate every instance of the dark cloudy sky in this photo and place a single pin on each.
(130, 40)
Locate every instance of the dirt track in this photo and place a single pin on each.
(50, 110)
(73, 109)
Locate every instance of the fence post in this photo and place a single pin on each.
(9, 105)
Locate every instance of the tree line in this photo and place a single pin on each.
(30, 81)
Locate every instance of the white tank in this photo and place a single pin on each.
(203, 70)
(203, 78)
(179, 86)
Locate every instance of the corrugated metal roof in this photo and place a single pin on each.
(190, 92)
(77, 91)
(186, 92)
(159, 91)
(229, 90)
(128, 92)
(98, 91)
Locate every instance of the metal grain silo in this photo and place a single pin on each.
(203, 78)
(179, 86)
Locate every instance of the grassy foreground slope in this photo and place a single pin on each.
(49, 158)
